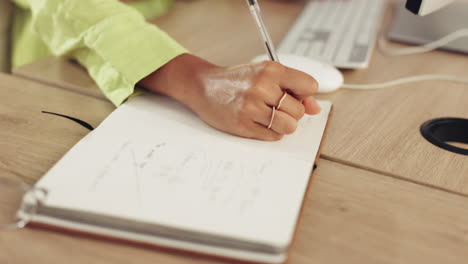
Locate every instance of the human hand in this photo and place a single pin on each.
(238, 100)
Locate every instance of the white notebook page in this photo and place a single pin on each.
(153, 160)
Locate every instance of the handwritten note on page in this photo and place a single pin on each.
(153, 160)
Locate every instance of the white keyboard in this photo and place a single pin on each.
(339, 32)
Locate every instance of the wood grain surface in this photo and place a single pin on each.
(381, 194)
(31, 141)
(377, 130)
(350, 216)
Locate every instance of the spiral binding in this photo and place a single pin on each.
(31, 201)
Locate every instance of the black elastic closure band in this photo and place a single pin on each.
(439, 131)
(76, 120)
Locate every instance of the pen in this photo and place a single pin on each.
(256, 14)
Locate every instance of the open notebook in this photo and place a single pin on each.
(154, 173)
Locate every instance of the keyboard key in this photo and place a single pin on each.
(301, 48)
(315, 49)
(336, 31)
(359, 53)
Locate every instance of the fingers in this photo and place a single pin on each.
(289, 105)
(282, 123)
(311, 106)
(262, 133)
(300, 84)
(255, 90)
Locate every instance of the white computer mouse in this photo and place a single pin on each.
(329, 78)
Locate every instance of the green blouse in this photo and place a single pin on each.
(111, 39)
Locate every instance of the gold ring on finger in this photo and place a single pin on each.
(273, 111)
(281, 100)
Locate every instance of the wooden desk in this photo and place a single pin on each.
(379, 130)
(385, 207)
(376, 130)
(350, 215)
(30, 141)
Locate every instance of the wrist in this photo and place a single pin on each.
(179, 79)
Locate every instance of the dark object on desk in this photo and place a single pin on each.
(80, 122)
(439, 131)
(424, 7)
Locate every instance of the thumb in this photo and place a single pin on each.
(311, 106)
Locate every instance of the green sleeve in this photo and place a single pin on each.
(112, 40)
